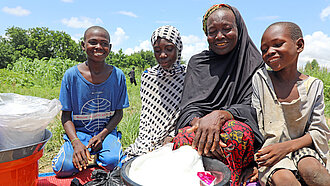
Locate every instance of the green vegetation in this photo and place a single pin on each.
(313, 69)
(37, 43)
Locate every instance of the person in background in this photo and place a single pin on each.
(290, 108)
(93, 95)
(216, 116)
(131, 75)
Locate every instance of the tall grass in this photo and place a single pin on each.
(129, 125)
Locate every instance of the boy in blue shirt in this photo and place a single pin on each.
(93, 95)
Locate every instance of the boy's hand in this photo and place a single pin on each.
(80, 155)
(95, 143)
(249, 174)
(272, 154)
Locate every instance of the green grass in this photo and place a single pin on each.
(129, 125)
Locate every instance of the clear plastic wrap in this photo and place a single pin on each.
(23, 119)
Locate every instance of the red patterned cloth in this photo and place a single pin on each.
(239, 152)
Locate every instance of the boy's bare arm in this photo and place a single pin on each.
(114, 121)
(270, 155)
(68, 125)
(81, 153)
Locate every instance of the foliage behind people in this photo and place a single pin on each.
(37, 43)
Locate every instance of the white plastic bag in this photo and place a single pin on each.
(166, 167)
(23, 119)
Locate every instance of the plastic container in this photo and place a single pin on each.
(209, 165)
(20, 172)
(19, 166)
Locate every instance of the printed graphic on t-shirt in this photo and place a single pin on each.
(95, 114)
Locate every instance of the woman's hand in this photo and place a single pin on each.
(272, 154)
(207, 139)
(95, 143)
(81, 155)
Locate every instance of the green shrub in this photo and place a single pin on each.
(43, 72)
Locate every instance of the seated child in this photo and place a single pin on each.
(290, 110)
(161, 89)
(93, 95)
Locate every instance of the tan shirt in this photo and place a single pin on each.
(279, 122)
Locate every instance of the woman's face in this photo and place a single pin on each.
(222, 31)
(165, 53)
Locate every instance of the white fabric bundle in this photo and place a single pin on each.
(167, 167)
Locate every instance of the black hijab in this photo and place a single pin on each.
(222, 82)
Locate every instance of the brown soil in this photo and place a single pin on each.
(45, 169)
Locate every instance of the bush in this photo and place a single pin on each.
(43, 72)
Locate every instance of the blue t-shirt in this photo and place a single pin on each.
(92, 105)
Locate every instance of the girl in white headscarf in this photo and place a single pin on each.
(161, 89)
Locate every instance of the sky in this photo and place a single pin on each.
(131, 22)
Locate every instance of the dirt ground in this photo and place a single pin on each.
(45, 169)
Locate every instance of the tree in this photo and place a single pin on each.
(118, 59)
(315, 65)
(38, 43)
(66, 48)
(6, 53)
(142, 59)
(149, 58)
(17, 38)
(311, 66)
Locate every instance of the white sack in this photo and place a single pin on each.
(167, 167)
(23, 119)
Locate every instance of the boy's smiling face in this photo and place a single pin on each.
(96, 45)
(278, 49)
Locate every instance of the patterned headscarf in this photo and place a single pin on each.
(209, 12)
(171, 34)
(160, 93)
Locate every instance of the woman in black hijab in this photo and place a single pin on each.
(216, 98)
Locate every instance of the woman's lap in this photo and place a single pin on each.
(239, 152)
